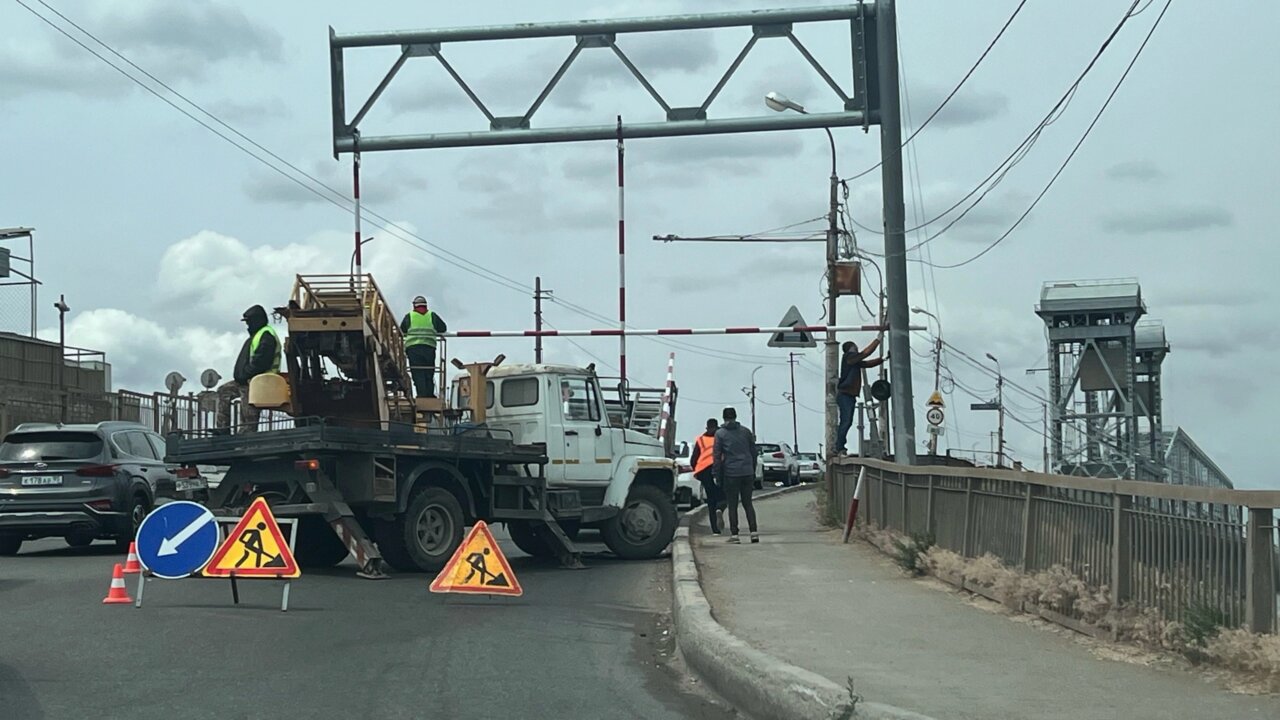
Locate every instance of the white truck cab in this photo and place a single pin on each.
(623, 477)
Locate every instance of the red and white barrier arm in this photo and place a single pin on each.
(614, 332)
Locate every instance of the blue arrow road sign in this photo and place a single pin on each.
(177, 539)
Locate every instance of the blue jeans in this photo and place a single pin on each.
(847, 404)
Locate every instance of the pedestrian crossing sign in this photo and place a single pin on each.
(478, 566)
(255, 548)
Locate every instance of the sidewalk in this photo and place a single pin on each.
(846, 611)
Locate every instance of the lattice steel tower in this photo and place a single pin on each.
(1093, 377)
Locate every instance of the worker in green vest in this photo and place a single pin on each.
(260, 354)
(421, 327)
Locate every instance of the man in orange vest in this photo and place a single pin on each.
(702, 461)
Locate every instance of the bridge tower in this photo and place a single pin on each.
(1093, 376)
(1151, 346)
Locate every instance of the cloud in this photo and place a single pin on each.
(969, 107)
(175, 41)
(141, 351)
(1144, 220)
(1137, 170)
(190, 32)
(1201, 296)
(769, 264)
(244, 111)
(215, 277)
(208, 279)
(378, 185)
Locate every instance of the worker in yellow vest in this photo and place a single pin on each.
(421, 328)
(702, 461)
(260, 354)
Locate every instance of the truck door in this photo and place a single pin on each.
(588, 446)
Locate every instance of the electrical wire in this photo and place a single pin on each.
(335, 197)
(951, 94)
(1019, 153)
(1074, 150)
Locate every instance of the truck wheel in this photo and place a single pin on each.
(528, 540)
(318, 545)
(644, 527)
(426, 535)
(10, 545)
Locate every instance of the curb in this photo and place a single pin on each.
(743, 675)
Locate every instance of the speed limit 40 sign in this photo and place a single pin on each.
(935, 416)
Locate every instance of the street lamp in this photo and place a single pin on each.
(781, 103)
(63, 308)
(999, 408)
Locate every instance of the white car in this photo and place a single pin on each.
(811, 468)
(689, 490)
(780, 463)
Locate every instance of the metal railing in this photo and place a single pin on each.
(1174, 549)
(160, 412)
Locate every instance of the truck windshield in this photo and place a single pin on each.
(47, 446)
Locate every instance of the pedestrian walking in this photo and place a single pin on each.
(703, 463)
(735, 468)
(849, 385)
(421, 328)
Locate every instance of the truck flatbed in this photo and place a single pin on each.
(470, 444)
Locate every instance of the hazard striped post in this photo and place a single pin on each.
(622, 263)
(355, 184)
(631, 332)
(667, 394)
(853, 504)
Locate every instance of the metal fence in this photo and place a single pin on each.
(161, 412)
(1175, 549)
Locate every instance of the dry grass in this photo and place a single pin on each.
(1257, 656)
(1249, 656)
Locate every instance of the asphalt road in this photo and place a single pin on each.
(589, 643)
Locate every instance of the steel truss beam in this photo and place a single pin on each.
(860, 108)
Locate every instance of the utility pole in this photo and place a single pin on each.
(538, 296)
(751, 393)
(1000, 413)
(895, 239)
(795, 435)
(937, 385)
(63, 309)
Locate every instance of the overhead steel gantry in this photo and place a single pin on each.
(873, 66)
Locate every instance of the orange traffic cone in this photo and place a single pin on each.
(117, 593)
(131, 564)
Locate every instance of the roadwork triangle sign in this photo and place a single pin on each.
(255, 548)
(935, 400)
(803, 339)
(478, 567)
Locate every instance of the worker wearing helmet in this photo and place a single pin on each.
(260, 354)
(421, 328)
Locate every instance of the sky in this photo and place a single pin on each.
(160, 233)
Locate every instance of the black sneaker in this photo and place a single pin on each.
(734, 539)
(755, 537)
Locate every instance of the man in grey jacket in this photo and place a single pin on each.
(735, 468)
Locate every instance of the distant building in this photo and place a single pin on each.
(35, 374)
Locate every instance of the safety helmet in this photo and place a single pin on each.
(419, 300)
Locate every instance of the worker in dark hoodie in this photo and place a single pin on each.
(735, 468)
(260, 354)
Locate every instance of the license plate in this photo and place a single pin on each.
(41, 480)
(182, 485)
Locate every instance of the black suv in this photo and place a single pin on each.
(84, 482)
